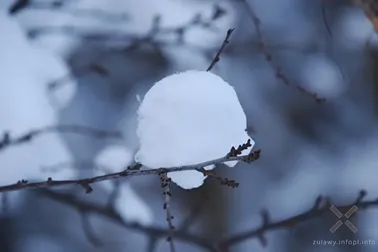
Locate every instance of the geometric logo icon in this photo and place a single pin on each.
(347, 215)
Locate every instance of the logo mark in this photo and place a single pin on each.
(347, 215)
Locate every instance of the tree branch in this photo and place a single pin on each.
(166, 185)
(269, 57)
(8, 141)
(129, 172)
(111, 214)
(320, 207)
(223, 46)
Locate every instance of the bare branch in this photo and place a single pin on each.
(128, 41)
(223, 46)
(18, 5)
(269, 57)
(110, 214)
(323, 10)
(125, 42)
(224, 181)
(166, 185)
(320, 207)
(8, 141)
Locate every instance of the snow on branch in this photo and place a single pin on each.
(134, 170)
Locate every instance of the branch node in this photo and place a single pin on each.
(234, 152)
(135, 167)
(87, 187)
(22, 182)
(318, 202)
(362, 194)
(252, 156)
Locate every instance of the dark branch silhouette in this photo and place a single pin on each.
(320, 208)
(223, 46)
(269, 57)
(166, 185)
(127, 42)
(8, 140)
(109, 213)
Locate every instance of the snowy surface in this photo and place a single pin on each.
(188, 118)
(131, 207)
(24, 106)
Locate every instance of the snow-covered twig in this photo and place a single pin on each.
(269, 57)
(223, 46)
(166, 185)
(7, 140)
(129, 172)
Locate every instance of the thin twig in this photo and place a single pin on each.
(223, 46)
(125, 42)
(320, 207)
(8, 141)
(166, 185)
(224, 181)
(103, 210)
(323, 12)
(269, 57)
